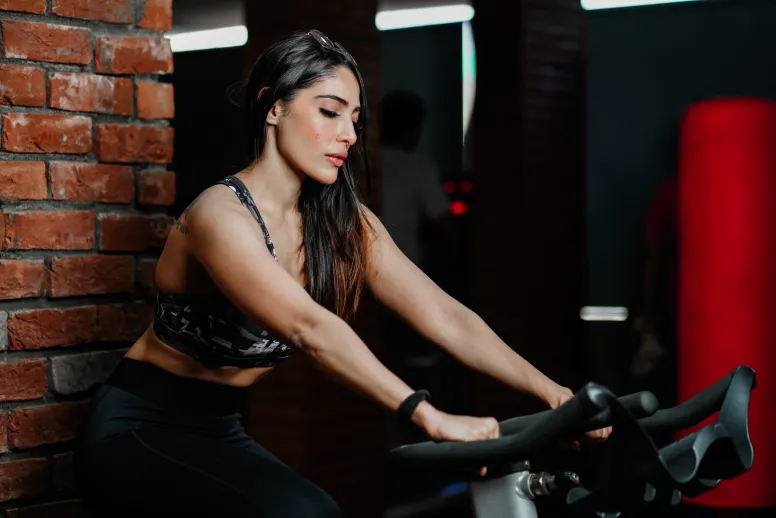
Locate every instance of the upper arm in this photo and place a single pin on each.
(403, 287)
(223, 238)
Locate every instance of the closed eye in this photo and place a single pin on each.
(328, 113)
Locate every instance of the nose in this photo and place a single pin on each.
(348, 134)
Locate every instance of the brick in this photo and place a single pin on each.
(114, 11)
(78, 373)
(21, 279)
(78, 181)
(132, 55)
(119, 323)
(155, 100)
(63, 509)
(127, 144)
(156, 15)
(23, 380)
(22, 86)
(46, 42)
(43, 328)
(23, 181)
(129, 233)
(3, 330)
(26, 478)
(26, 6)
(47, 133)
(90, 275)
(156, 188)
(3, 433)
(90, 93)
(146, 276)
(59, 230)
(47, 424)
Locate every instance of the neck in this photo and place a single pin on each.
(276, 184)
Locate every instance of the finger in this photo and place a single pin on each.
(496, 429)
(483, 471)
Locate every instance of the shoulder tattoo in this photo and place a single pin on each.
(179, 223)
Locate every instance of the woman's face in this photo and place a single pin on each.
(316, 131)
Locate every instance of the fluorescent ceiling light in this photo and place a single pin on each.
(225, 37)
(592, 5)
(603, 314)
(406, 18)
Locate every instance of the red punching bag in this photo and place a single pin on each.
(727, 271)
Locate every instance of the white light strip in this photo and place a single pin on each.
(603, 314)
(406, 18)
(592, 5)
(210, 39)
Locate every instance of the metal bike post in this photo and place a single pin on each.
(508, 496)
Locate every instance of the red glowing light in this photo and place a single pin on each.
(467, 186)
(459, 208)
(449, 187)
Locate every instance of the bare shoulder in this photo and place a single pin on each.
(214, 205)
(379, 243)
(375, 230)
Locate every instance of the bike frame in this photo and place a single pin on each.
(508, 496)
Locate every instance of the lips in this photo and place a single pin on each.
(337, 158)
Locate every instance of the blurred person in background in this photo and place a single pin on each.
(411, 191)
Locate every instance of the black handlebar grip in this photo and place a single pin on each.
(689, 413)
(590, 401)
(639, 405)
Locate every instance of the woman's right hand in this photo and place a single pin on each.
(440, 426)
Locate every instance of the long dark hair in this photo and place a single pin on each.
(334, 224)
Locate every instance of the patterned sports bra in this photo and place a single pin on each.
(209, 328)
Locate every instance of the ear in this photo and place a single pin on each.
(274, 114)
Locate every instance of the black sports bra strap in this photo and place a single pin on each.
(245, 197)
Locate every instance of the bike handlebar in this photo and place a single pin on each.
(691, 412)
(640, 404)
(635, 415)
(524, 435)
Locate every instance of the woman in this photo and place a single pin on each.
(163, 434)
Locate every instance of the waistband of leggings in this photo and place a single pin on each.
(176, 393)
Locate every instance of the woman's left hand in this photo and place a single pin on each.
(559, 395)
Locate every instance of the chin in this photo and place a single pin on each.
(326, 177)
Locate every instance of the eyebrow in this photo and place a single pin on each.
(338, 99)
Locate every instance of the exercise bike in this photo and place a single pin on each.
(636, 474)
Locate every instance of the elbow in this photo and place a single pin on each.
(312, 333)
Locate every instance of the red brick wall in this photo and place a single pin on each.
(528, 206)
(84, 189)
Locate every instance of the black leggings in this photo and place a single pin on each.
(157, 444)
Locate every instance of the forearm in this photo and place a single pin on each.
(339, 352)
(475, 345)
